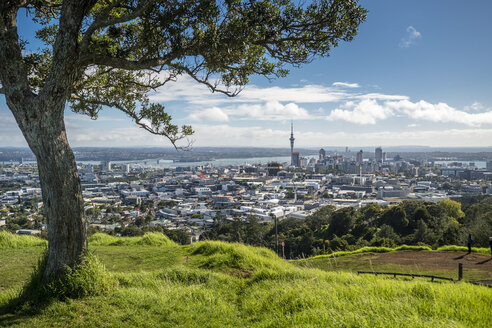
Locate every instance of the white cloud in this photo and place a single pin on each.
(187, 90)
(10, 134)
(195, 104)
(475, 107)
(306, 94)
(411, 38)
(367, 111)
(268, 111)
(226, 135)
(79, 118)
(251, 136)
(440, 112)
(210, 114)
(380, 96)
(346, 85)
(272, 110)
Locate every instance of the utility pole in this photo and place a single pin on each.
(291, 142)
(276, 236)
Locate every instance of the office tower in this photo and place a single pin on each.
(106, 166)
(322, 154)
(359, 158)
(379, 155)
(489, 166)
(296, 159)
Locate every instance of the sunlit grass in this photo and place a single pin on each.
(216, 284)
(10, 240)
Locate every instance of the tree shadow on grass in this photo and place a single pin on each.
(461, 257)
(483, 262)
(87, 277)
(31, 300)
(17, 310)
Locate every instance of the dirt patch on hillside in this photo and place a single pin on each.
(475, 266)
(438, 260)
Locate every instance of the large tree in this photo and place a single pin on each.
(111, 53)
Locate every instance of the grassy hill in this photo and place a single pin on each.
(156, 283)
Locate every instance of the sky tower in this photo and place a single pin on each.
(292, 142)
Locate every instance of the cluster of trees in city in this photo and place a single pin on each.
(9, 185)
(21, 216)
(411, 222)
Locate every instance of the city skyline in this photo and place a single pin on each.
(416, 74)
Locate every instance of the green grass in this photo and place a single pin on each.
(16, 265)
(453, 248)
(9, 240)
(149, 239)
(216, 284)
(372, 249)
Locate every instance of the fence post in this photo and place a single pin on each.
(460, 271)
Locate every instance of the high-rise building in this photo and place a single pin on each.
(322, 154)
(292, 143)
(359, 158)
(489, 166)
(106, 166)
(379, 155)
(296, 159)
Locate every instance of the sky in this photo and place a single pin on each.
(419, 73)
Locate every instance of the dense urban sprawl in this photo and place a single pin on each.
(198, 202)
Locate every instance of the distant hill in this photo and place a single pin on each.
(211, 153)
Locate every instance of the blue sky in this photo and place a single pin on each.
(418, 73)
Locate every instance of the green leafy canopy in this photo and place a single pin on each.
(127, 48)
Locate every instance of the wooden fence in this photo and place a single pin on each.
(395, 274)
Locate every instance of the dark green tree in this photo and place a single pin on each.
(342, 221)
(237, 230)
(320, 218)
(396, 218)
(255, 231)
(109, 53)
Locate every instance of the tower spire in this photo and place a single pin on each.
(292, 142)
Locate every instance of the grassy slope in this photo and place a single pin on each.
(214, 284)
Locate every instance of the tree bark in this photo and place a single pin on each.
(60, 184)
(64, 204)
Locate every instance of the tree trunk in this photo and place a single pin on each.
(60, 185)
(64, 205)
